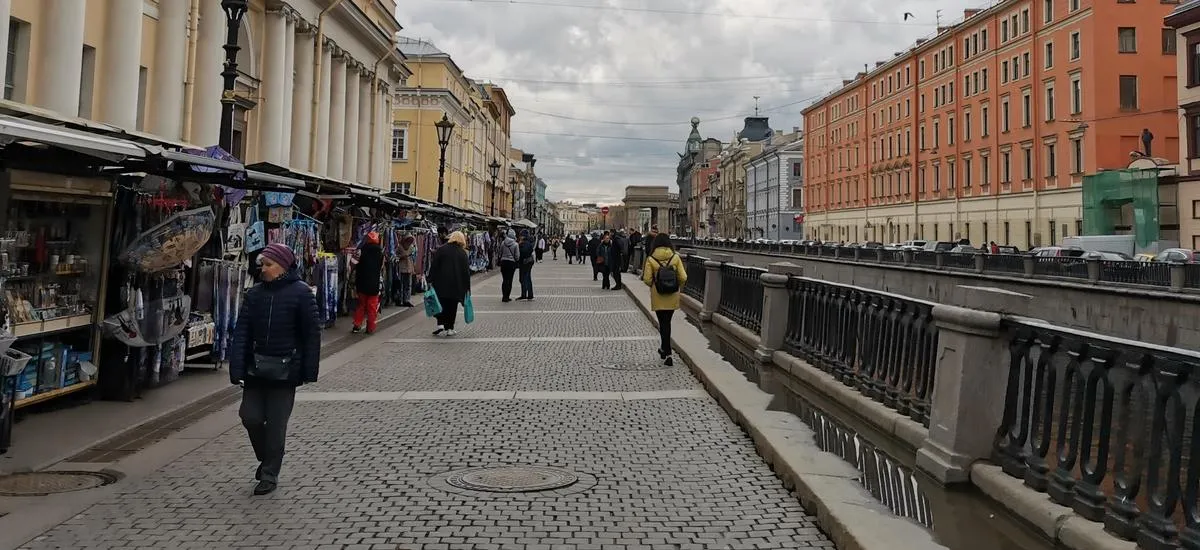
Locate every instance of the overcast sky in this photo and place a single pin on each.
(604, 88)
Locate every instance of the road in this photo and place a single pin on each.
(376, 448)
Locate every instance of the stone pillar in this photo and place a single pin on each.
(289, 89)
(121, 60)
(1178, 276)
(271, 140)
(775, 308)
(323, 109)
(206, 97)
(980, 261)
(350, 125)
(366, 118)
(337, 117)
(166, 86)
(302, 98)
(60, 41)
(939, 259)
(1093, 269)
(712, 285)
(970, 382)
(5, 13)
(1029, 265)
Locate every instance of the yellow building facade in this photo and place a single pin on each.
(482, 117)
(153, 66)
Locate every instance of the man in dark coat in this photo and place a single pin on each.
(618, 258)
(593, 246)
(277, 327)
(366, 283)
(528, 257)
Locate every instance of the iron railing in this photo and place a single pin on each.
(1004, 263)
(1107, 427)
(883, 345)
(742, 295)
(1191, 276)
(697, 276)
(959, 260)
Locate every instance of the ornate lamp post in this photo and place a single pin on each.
(494, 168)
(444, 129)
(234, 11)
(512, 188)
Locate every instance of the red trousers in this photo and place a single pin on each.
(368, 306)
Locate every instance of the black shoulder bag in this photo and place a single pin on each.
(267, 367)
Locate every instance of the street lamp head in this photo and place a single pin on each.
(495, 168)
(234, 9)
(444, 128)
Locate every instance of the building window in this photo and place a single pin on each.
(1193, 136)
(1025, 20)
(1074, 45)
(984, 175)
(951, 172)
(1051, 160)
(983, 121)
(1049, 54)
(982, 39)
(950, 131)
(18, 60)
(399, 143)
(936, 131)
(921, 69)
(1028, 164)
(1004, 31)
(1127, 40)
(967, 173)
(1168, 41)
(403, 187)
(1129, 92)
(1025, 64)
(967, 126)
(983, 73)
(87, 83)
(1077, 156)
(1026, 108)
(1050, 101)
(1003, 72)
(1076, 95)
(1005, 167)
(143, 82)
(1004, 115)
(1074, 5)
(937, 178)
(1047, 11)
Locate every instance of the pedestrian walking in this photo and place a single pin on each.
(593, 246)
(617, 258)
(581, 247)
(527, 259)
(554, 244)
(510, 255)
(450, 275)
(569, 249)
(276, 347)
(604, 254)
(541, 246)
(366, 283)
(404, 271)
(665, 274)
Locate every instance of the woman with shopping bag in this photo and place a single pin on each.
(450, 279)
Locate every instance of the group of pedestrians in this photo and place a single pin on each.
(277, 339)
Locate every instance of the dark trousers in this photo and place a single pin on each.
(595, 269)
(449, 313)
(527, 281)
(265, 412)
(604, 273)
(616, 278)
(507, 270)
(664, 331)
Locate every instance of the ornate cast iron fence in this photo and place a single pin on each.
(742, 295)
(883, 345)
(697, 276)
(1107, 427)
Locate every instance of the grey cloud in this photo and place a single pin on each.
(707, 66)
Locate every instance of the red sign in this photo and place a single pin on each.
(799, 218)
(604, 210)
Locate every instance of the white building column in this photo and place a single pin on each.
(337, 117)
(350, 129)
(323, 107)
(60, 41)
(170, 46)
(289, 88)
(270, 146)
(365, 111)
(302, 99)
(120, 62)
(381, 171)
(206, 94)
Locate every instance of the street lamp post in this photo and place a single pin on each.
(512, 187)
(234, 11)
(444, 129)
(494, 167)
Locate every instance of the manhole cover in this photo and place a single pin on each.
(512, 479)
(636, 366)
(34, 484)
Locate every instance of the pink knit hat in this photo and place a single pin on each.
(280, 254)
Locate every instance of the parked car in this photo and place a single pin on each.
(1176, 255)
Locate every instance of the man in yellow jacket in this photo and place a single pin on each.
(664, 288)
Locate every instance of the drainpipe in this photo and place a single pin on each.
(318, 52)
(392, 49)
(189, 82)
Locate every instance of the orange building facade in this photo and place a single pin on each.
(985, 131)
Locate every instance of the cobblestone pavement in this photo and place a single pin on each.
(669, 472)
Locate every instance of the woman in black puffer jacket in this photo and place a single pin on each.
(276, 347)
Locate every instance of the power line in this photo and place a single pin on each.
(671, 123)
(667, 11)
(636, 83)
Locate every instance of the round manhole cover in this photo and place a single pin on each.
(636, 366)
(34, 484)
(512, 479)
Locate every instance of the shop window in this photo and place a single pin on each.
(87, 82)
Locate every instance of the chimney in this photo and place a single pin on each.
(970, 12)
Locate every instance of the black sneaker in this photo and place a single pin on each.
(258, 473)
(668, 361)
(355, 330)
(439, 331)
(264, 487)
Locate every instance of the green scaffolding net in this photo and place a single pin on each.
(1122, 198)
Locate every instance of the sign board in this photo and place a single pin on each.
(604, 210)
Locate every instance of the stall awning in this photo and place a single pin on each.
(16, 130)
(199, 162)
(266, 180)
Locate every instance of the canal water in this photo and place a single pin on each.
(959, 518)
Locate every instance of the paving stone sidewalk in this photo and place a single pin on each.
(570, 383)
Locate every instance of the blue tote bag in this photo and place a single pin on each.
(433, 306)
(468, 309)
